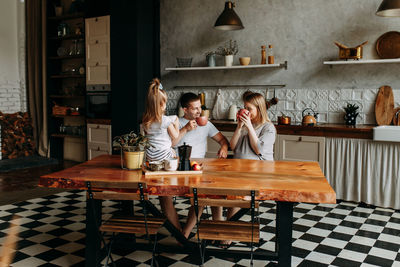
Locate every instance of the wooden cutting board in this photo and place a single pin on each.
(149, 173)
(384, 106)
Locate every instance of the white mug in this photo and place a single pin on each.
(171, 164)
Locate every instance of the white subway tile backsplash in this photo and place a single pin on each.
(329, 103)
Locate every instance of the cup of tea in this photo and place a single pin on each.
(201, 121)
(241, 112)
(171, 164)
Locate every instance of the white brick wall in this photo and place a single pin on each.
(12, 98)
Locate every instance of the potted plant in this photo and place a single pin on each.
(351, 114)
(211, 58)
(132, 148)
(229, 50)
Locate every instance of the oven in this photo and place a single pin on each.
(98, 104)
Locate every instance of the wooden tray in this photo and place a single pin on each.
(388, 45)
(147, 172)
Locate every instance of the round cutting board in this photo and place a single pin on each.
(384, 106)
(388, 45)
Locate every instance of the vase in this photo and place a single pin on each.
(228, 60)
(131, 160)
(211, 60)
(350, 118)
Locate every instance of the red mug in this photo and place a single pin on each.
(241, 112)
(202, 121)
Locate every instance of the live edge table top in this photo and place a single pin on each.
(276, 180)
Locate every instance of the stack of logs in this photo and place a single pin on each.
(16, 135)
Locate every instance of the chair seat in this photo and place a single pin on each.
(229, 230)
(132, 225)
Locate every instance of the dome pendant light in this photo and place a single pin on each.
(228, 20)
(389, 8)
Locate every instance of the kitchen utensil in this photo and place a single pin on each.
(232, 113)
(396, 116)
(156, 165)
(388, 45)
(350, 52)
(184, 152)
(244, 61)
(284, 120)
(309, 119)
(171, 164)
(384, 105)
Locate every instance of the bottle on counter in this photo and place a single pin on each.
(270, 55)
(263, 55)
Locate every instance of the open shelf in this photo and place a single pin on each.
(61, 76)
(67, 136)
(68, 37)
(67, 16)
(68, 57)
(281, 65)
(362, 61)
(67, 96)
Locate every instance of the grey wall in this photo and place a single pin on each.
(302, 32)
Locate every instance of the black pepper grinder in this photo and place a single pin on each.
(184, 157)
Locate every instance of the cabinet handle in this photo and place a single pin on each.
(98, 126)
(300, 139)
(97, 41)
(97, 63)
(98, 148)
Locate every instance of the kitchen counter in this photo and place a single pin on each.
(362, 131)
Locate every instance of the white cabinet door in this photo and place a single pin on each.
(97, 50)
(213, 147)
(302, 148)
(99, 139)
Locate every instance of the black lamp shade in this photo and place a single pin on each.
(389, 8)
(228, 20)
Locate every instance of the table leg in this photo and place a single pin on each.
(284, 223)
(93, 220)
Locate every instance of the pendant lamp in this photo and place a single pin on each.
(389, 8)
(228, 20)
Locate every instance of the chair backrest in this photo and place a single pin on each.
(136, 193)
(215, 197)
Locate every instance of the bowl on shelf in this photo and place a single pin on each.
(244, 61)
(184, 62)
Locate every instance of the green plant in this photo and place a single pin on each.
(351, 113)
(131, 142)
(230, 48)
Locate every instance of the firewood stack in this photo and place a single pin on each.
(16, 135)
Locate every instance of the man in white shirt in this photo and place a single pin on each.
(196, 136)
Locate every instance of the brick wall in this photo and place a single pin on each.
(12, 98)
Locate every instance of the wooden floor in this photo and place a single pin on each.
(20, 185)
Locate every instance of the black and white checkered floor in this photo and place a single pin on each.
(52, 233)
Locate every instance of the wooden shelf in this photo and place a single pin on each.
(281, 65)
(68, 37)
(362, 61)
(66, 96)
(67, 136)
(61, 76)
(67, 57)
(67, 17)
(67, 116)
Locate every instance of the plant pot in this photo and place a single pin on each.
(131, 160)
(350, 118)
(228, 60)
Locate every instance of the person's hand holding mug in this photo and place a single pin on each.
(191, 125)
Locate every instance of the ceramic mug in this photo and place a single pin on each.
(156, 165)
(171, 164)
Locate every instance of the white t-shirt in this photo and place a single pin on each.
(197, 138)
(159, 139)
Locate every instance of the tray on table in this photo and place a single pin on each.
(148, 172)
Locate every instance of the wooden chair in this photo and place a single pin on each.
(128, 224)
(225, 230)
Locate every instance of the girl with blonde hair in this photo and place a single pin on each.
(159, 128)
(254, 136)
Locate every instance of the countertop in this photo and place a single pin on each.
(362, 131)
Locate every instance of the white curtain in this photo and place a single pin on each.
(364, 170)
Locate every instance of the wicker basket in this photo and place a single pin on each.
(184, 62)
(60, 110)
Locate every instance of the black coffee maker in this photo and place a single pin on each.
(184, 157)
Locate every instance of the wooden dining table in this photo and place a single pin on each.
(285, 182)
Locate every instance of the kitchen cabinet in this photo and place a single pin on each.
(300, 148)
(213, 147)
(99, 140)
(98, 51)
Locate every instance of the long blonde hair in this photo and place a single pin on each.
(156, 97)
(259, 102)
